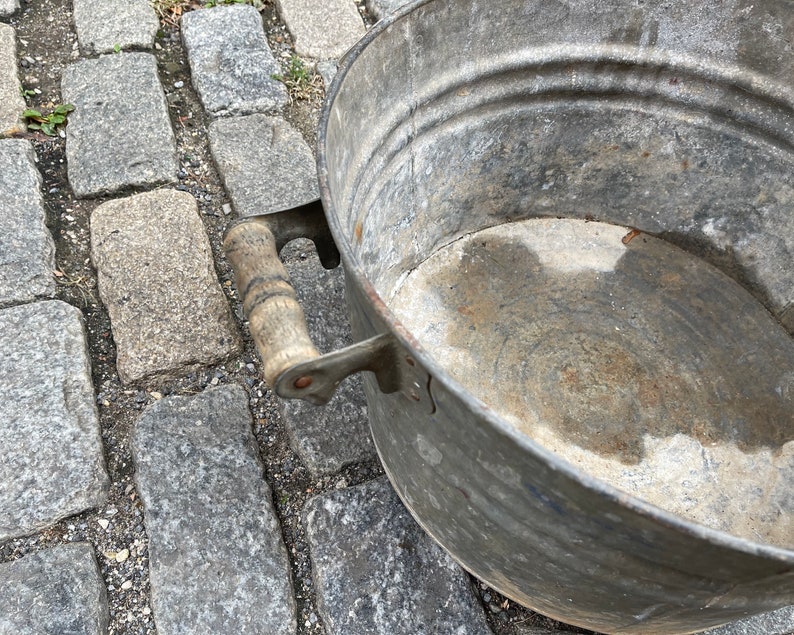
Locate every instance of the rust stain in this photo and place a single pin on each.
(570, 376)
(685, 164)
(630, 236)
(465, 310)
(359, 231)
(670, 280)
(646, 154)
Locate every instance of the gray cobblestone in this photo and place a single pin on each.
(103, 25)
(382, 8)
(779, 622)
(119, 135)
(11, 102)
(230, 61)
(27, 251)
(57, 590)
(51, 462)
(378, 573)
(276, 172)
(157, 279)
(323, 30)
(217, 560)
(327, 70)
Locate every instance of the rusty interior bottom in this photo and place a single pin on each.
(635, 361)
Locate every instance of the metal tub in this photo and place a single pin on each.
(621, 173)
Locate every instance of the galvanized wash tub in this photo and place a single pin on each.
(568, 234)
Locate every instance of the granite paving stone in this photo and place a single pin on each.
(57, 590)
(51, 461)
(323, 30)
(231, 64)
(780, 622)
(382, 8)
(11, 102)
(276, 172)
(327, 70)
(103, 25)
(329, 437)
(27, 251)
(156, 277)
(8, 8)
(218, 563)
(119, 135)
(377, 572)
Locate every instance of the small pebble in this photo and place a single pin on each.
(103, 522)
(122, 555)
(179, 84)
(126, 585)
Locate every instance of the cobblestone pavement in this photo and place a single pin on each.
(149, 481)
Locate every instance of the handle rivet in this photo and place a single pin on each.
(303, 382)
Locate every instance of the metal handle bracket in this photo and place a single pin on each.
(292, 366)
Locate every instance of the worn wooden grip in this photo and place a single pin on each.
(277, 322)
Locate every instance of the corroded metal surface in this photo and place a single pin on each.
(673, 118)
(631, 359)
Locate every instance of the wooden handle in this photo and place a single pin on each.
(277, 322)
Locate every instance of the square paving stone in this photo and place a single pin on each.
(27, 251)
(57, 590)
(157, 279)
(11, 102)
(231, 64)
(104, 24)
(275, 172)
(51, 461)
(323, 30)
(218, 563)
(119, 135)
(377, 572)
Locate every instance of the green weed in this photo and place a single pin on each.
(47, 123)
